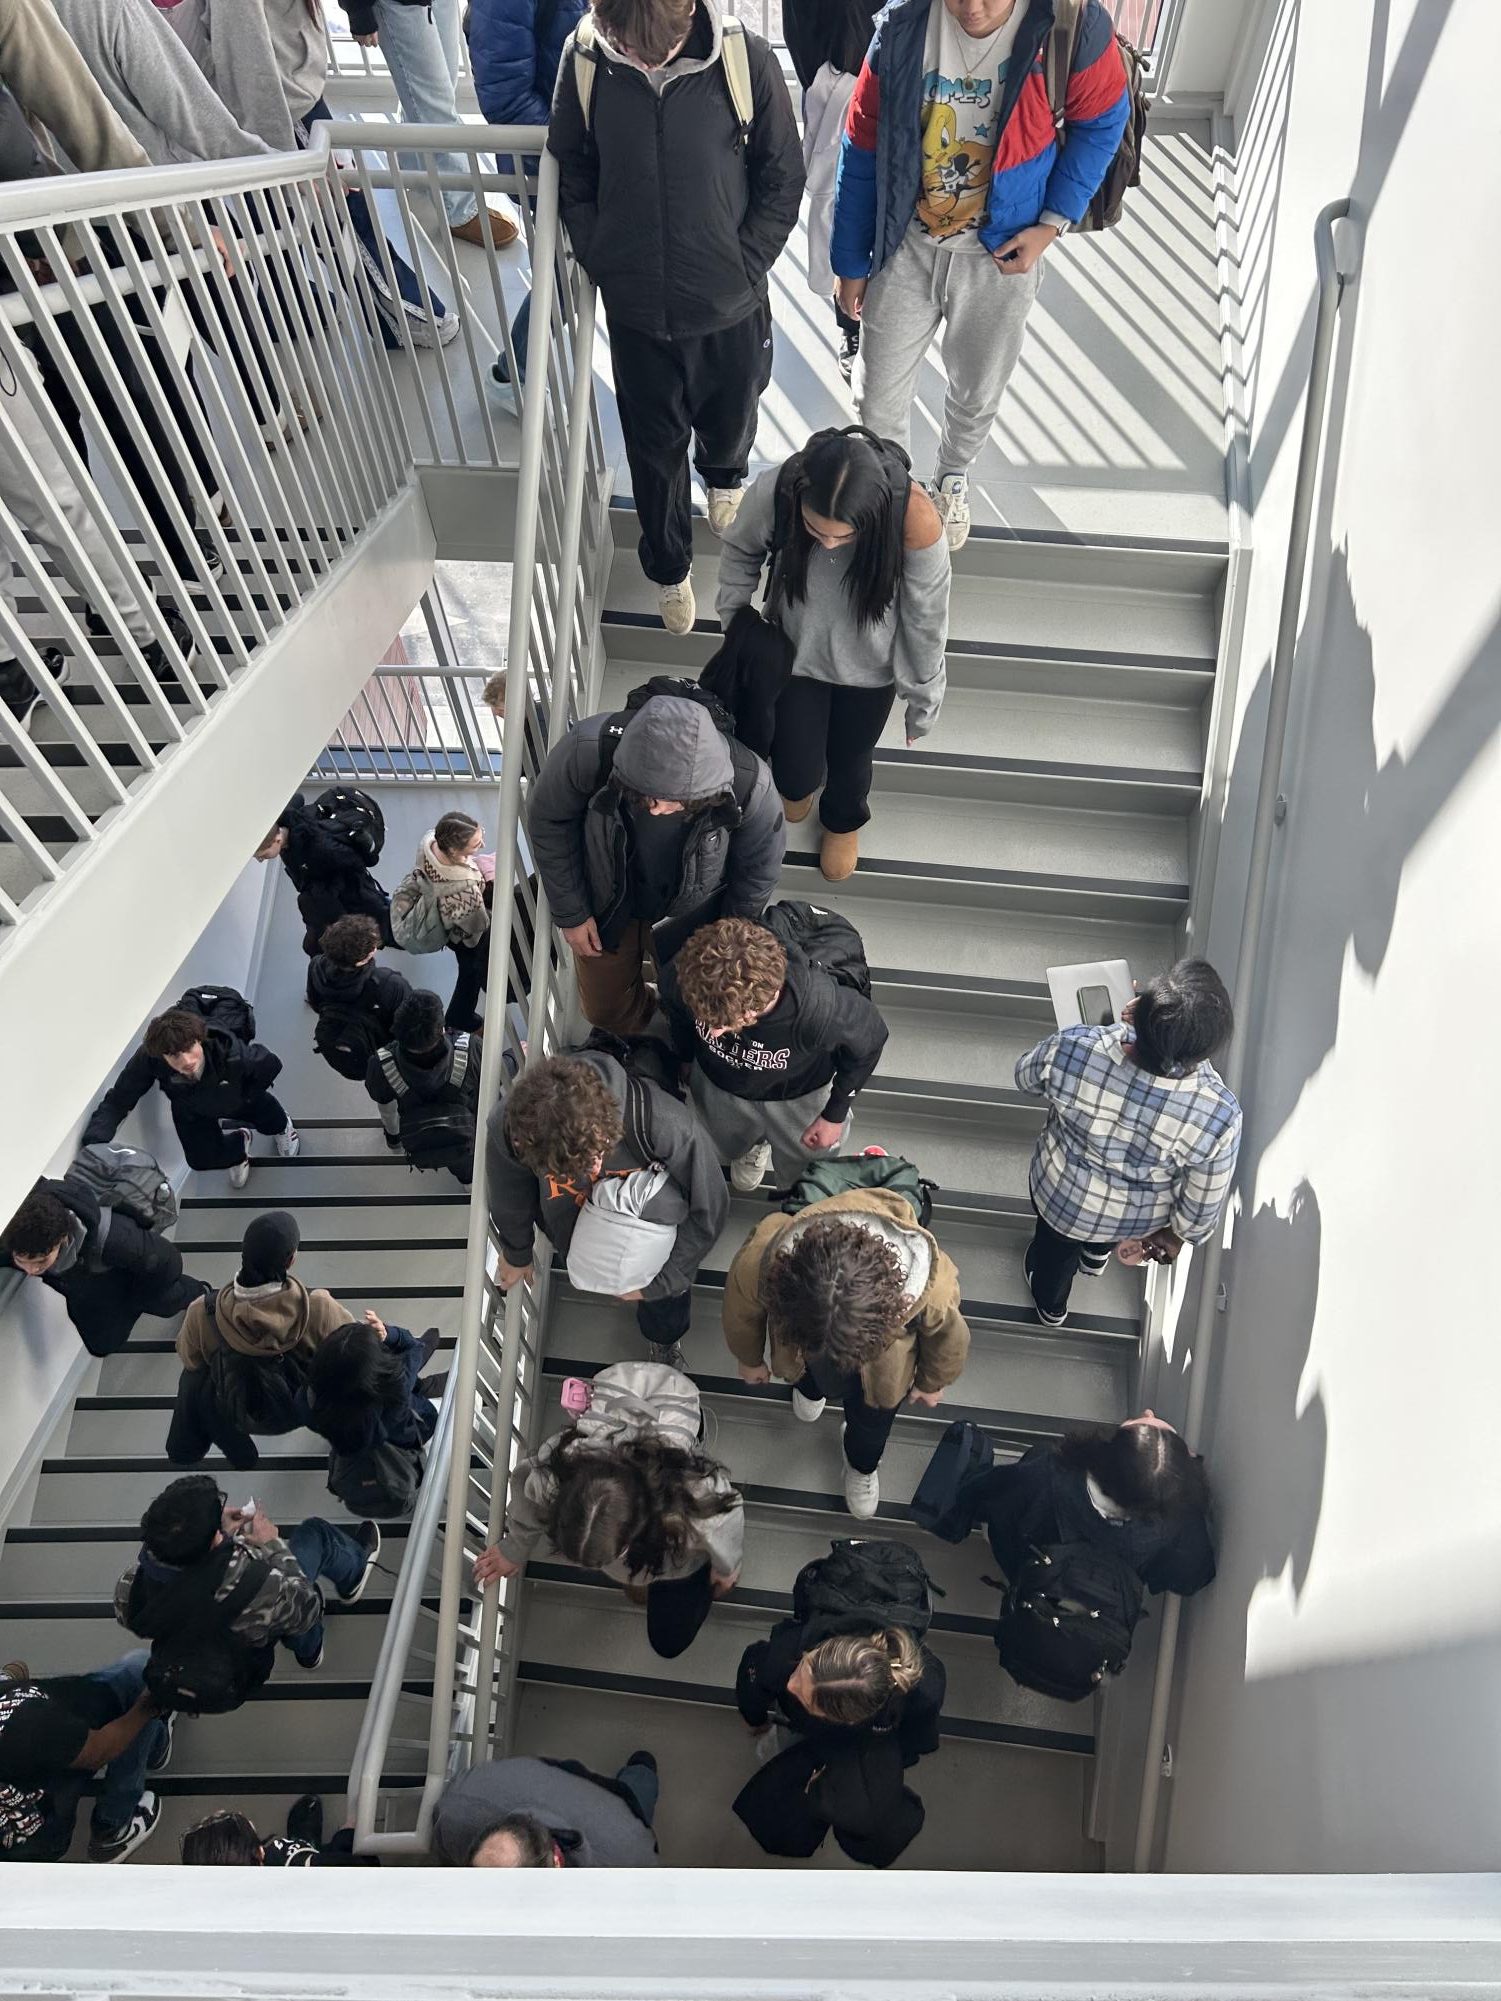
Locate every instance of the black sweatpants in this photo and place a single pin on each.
(866, 1429)
(197, 1424)
(701, 389)
(106, 1309)
(473, 962)
(823, 728)
(1055, 1263)
(211, 1143)
(676, 1610)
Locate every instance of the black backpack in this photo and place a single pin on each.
(1067, 1620)
(198, 1665)
(842, 1172)
(689, 691)
(965, 1452)
(379, 1483)
(347, 1037)
(642, 1056)
(861, 1586)
(221, 1007)
(828, 940)
(251, 1394)
(437, 1132)
(353, 814)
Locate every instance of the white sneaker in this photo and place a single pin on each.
(676, 605)
(724, 505)
(240, 1174)
(862, 1491)
(749, 1171)
(289, 1143)
(808, 1410)
(951, 497)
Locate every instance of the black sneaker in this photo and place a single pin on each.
(367, 1535)
(305, 1820)
(500, 369)
(141, 1826)
(642, 1758)
(431, 1387)
(393, 1141)
(849, 347)
(1048, 1317)
(160, 1761)
(19, 692)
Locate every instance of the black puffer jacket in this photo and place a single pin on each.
(107, 1243)
(316, 852)
(761, 1695)
(673, 216)
(233, 1071)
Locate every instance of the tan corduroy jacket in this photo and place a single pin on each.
(927, 1354)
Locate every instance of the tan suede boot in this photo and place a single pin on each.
(838, 855)
(797, 809)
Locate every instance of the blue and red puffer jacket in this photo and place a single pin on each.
(880, 156)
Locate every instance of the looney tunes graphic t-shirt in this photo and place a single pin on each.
(964, 78)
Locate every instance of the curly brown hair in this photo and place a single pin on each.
(173, 1033)
(349, 941)
(729, 970)
(836, 1290)
(560, 1116)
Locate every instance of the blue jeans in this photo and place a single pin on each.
(124, 1777)
(421, 46)
(322, 1551)
(644, 1787)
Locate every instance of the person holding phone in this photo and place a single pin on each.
(1142, 1134)
(952, 185)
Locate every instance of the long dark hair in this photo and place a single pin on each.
(854, 476)
(634, 1502)
(1144, 1468)
(353, 1375)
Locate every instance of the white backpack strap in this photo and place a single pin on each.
(387, 1060)
(585, 59)
(734, 53)
(460, 1066)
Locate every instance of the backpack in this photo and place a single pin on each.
(847, 1171)
(964, 1453)
(828, 940)
(252, 1395)
(354, 815)
(640, 1056)
(734, 61)
(347, 1037)
(128, 1179)
(221, 1007)
(861, 1586)
(416, 921)
(198, 1666)
(1067, 1619)
(379, 1483)
(1124, 171)
(663, 684)
(436, 1132)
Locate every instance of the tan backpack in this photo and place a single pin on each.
(1124, 171)
(734, 61)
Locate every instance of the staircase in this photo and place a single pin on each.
(1045, 820)
(374, 1236)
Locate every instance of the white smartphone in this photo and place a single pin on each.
(247, 1509)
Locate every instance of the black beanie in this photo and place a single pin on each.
(267, 1248)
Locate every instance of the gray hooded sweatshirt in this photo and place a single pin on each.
(569, 1801)
(581, 825)
(631, 1400)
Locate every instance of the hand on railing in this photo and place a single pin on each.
(490, 1565)
(511, 1275)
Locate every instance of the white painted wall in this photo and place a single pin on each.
(43, 1355)
(1340, 1705)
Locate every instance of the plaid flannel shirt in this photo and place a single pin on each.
(1124, 1152)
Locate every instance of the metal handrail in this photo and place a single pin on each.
(1336, 262)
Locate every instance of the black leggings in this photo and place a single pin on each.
(473, 962)
(821, 727)
(198, 1423)
(675, 1610)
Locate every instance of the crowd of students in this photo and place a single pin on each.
(731, 1033)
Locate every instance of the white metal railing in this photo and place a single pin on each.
(559, 547)
(192, 351)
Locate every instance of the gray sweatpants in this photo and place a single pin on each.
(983, 314)
(22, 434)
(737, 1124)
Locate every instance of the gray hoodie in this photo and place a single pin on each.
(265, 58)
(153, 83)
(630, 1400)
(670, 749)
(569, 1801)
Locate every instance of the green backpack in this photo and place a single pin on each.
(848, 1171)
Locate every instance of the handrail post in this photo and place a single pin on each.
(1336, 263)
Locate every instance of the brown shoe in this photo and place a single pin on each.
(15, 1671)
(797, 809)
(486, 224)
(837, 856)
